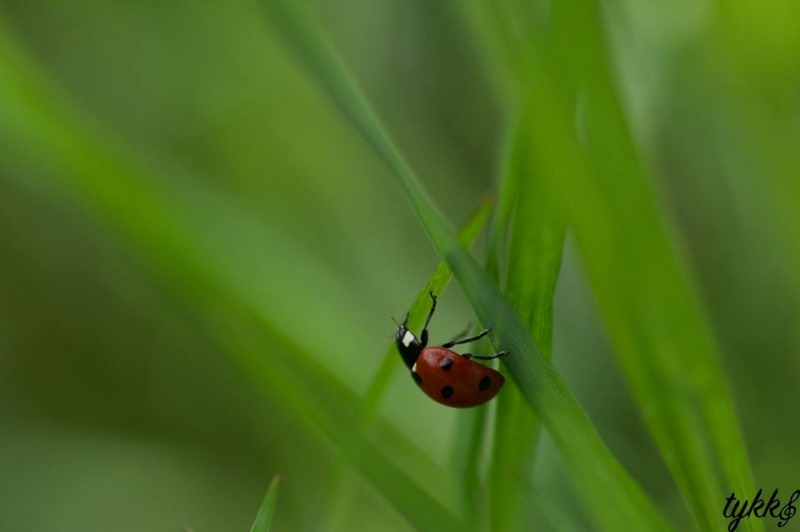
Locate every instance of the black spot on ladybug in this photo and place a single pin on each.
(446, 364)
(447, 392)
(416, 377)
(484, 384)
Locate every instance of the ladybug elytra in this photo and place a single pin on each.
(444, 375)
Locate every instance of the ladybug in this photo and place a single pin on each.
(444, 375)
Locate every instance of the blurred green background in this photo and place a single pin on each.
(124, 406)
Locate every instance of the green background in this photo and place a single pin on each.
(125, 402)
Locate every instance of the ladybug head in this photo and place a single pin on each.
(407, 344)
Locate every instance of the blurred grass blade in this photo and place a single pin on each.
(289, 383)
(391, 360)
(469, 460)
(549, 512)
(507, 197)
(663, 342)
(614, 499)
(534, 262)
(418, 310)
(263, 520)
(537, 243)
(75, 157)
(471, 435)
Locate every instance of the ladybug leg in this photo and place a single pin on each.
(492, 357)
(478, 336)
(424, 334)
(462, 334)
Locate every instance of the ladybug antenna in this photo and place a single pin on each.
(395, 321)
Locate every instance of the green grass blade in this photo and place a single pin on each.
(471, 434)
(614, 499)
(336, 417)
(75, 158)
(263, 520)
(472, 457)
(418, 310)
(663, 341)
(537, 243)
(665, 419)
(468, 461)
(507, 196)
(534, 262)
(391, 361)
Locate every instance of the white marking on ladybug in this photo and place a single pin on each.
(414, 368)
(408, 338)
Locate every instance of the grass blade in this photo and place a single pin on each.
(417, 312)
(263, 520)
(291, 383)
(663, 341)
(470, 458)
(614, 499)
(537, 243)
(534, 262)
(75, 157)
(391, 361)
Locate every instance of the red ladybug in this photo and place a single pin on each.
(444, 375)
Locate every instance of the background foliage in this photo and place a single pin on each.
(199, 255)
